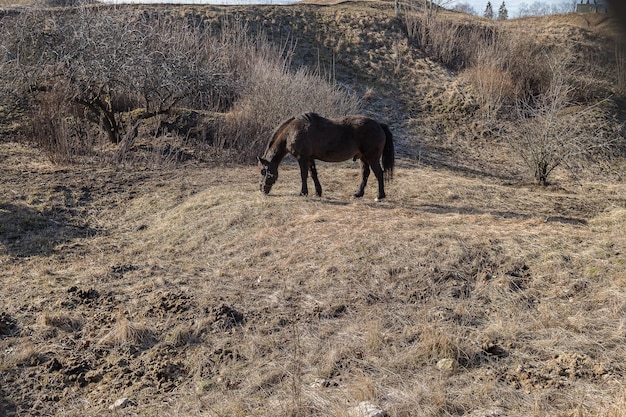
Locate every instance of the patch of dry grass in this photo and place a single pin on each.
(186, 290)
(238, 303)
(127, 334)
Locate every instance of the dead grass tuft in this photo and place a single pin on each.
(128, 335)
(62, 321)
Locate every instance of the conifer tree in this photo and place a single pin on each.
(503, 13)
(488, 11)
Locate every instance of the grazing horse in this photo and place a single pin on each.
(310, 136)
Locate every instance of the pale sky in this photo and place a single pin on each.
(512, 6)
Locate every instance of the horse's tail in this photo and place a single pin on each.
(388, 153)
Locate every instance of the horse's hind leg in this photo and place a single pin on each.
(304, 172)
(378, 171)
(365, 173)
(318, 186)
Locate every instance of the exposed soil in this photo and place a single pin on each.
(225, 309)
(178, 289)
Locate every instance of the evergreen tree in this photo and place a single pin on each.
(488, 11)
(503, 13)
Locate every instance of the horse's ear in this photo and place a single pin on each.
(262, 161)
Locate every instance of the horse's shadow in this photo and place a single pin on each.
(445, 209)
(27, 232)
(390, 204)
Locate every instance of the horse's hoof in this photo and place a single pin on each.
(378, 199)
(357, 195)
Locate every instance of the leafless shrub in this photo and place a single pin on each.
(552, 132)
(523, 59)
(499, 65)
(269, 91)
(60, 131)
(272, 94)
(503, 69)
(113, 65)
(493, 85)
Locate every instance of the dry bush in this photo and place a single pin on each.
(58, 128)
(493, 86)
(499, 70)
(274, 93)
(447, 41)
(500, 65)
(552, 132)
(61, 321)
(526, 61)
(270, 91)
(113, 65)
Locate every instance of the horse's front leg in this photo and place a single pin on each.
(365, 173)
(304, 172)
(318, 186)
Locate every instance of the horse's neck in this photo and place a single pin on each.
(276, 152)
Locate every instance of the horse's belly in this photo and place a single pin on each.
(337, 152)
(338, 157)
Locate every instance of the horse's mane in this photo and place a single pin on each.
(310, 117)
(276, 133)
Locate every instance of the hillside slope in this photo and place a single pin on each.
(166, 287)
(190, 293)
(433, 108)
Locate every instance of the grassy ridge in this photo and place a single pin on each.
(456, 295)
(181, 287)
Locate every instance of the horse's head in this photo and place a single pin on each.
(269, 175)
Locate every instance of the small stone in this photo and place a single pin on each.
(488, 412)
(119, 404)
(320, 383)
(366, 409)
(446, 364)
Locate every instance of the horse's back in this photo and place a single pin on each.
(333, 140)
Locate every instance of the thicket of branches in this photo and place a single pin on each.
(85, 76)
(519, 82)
(101, 67)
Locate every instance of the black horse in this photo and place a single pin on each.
(310, 136)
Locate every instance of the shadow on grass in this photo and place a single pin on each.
(7, 407)
(390, 204)
(443, 209)
(26, 232)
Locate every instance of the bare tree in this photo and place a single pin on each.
(122, 70)
(552, 132)
(541, 8)
(465, 8)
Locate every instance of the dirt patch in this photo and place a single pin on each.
(558, 372)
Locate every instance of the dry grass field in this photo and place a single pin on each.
(178, 289)
(190, 293)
